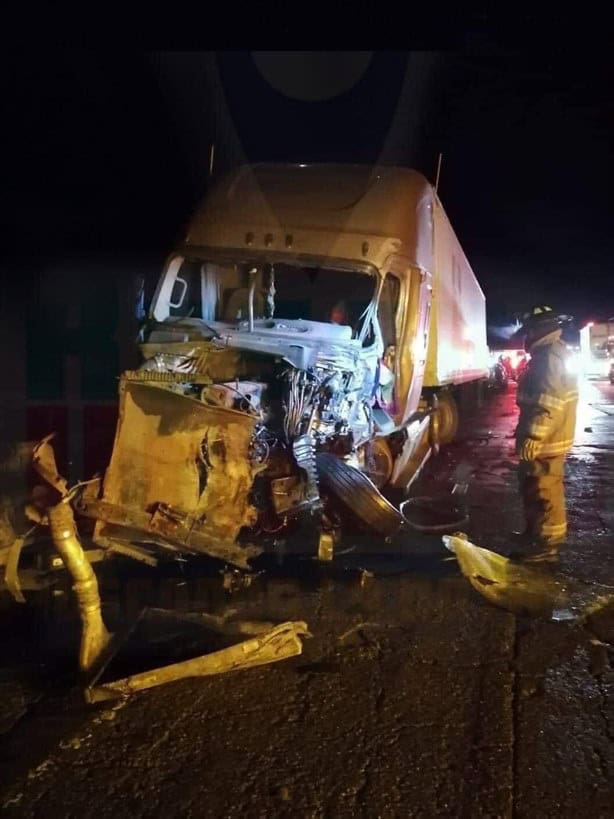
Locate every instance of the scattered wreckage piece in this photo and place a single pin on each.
(22, 510)
(526, 590)
(43, 461)
(506, 583)
(10, 558)
(277, 643)
(94, 635)
(61, 520)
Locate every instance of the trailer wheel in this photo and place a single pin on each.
(446, 418)
(358, 495)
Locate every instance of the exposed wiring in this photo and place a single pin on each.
(301, 391)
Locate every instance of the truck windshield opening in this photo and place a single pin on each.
(194, 288)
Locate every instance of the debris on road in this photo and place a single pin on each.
(525, 590)
(279, 643)
(11, 577)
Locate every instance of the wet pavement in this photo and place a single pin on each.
(414, 697)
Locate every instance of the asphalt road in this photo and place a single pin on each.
(415, 696)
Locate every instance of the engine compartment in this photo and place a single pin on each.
(296, 412)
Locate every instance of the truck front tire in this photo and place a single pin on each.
(358, 495)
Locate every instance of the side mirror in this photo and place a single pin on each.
(140, 308)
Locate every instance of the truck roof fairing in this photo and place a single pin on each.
(327, 210)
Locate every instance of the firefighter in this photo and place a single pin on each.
(547, 397)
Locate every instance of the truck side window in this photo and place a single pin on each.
(387, 309)
(186, 296)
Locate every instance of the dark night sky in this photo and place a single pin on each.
(107, 156)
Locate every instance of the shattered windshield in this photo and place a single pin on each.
(215, 292)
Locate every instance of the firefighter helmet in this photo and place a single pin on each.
(542, 315)
(540, 321)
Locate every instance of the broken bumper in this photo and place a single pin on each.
(180, 475)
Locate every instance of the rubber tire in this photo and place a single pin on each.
(358, 495)
(447, 421)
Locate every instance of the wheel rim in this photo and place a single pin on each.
(447, 420)
(378, 463)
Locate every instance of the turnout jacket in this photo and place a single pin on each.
(547, 397)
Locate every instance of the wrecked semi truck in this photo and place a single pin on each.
(302, 356)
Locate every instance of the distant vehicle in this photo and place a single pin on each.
(575, 361)
(498, 378)
(506, 363)
(514, 361)
(597, 348)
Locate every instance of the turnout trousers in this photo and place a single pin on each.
(543, 497)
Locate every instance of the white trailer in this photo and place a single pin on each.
(457, 351)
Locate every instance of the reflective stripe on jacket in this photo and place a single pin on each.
(547, 397)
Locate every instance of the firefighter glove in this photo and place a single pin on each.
(528, 449)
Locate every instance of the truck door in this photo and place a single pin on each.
(414, 341)
(412, 334)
